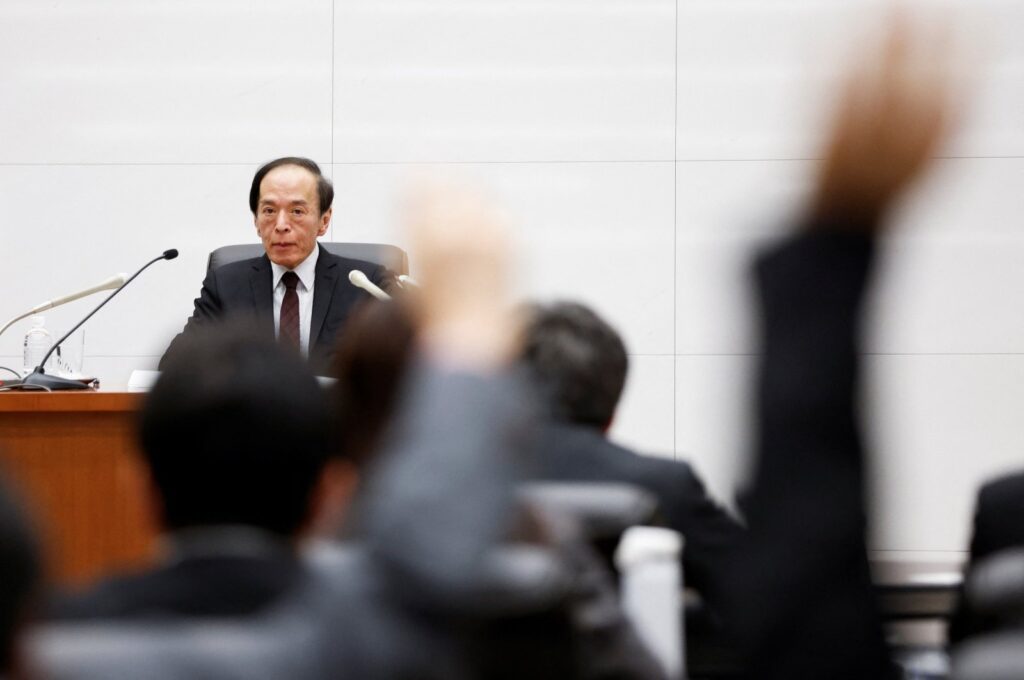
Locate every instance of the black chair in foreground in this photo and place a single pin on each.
(995, 590)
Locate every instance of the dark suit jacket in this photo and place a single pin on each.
(244, 290)
(804, 603)
(197, 585)
(997, 526)
(569, 452)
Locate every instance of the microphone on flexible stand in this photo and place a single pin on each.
(109, 284)
(360, 280)
(39, 378)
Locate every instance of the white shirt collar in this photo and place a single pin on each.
(306, 270)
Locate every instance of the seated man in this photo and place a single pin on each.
(999, 504)
(298, 289)
(579, 363)
(20, 574)
(235, 438)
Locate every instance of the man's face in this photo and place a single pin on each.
(288, 217)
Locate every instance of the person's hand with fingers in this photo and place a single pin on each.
(461, 245)
(892, 116)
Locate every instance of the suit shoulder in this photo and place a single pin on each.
(238, 269)
(679, 472)
(1003, 490)
(653, 463)
(349, 263)
(653, 470)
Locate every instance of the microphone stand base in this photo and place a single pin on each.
(53, 383)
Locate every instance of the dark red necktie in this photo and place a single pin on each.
(289, 329)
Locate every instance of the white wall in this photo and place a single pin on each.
(660, 140)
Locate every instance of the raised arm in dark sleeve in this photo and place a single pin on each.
(804, 600)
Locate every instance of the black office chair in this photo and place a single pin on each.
(392, 257)
(995, 589)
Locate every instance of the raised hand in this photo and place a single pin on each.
(462, 249)
(893, 113)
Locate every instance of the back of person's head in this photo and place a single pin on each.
(370, 364)
(577, 361)
(20, 573)
(235, 431)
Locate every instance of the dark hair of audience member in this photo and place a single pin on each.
(370, 364)
(20, 574)
(235, 431)
(324, 188)
(577, 361)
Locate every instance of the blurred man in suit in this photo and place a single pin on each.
(297, 290)
(579, 364)
(804, 605)
(235, 439)
(997, 526)
(20, 576)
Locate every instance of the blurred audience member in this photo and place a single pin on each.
(235, 437)
(20, 576)
(803, 599)
(997, 527)
(579, 363)
(370, 366)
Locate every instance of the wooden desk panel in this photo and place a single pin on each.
(71, 455)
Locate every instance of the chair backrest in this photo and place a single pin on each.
(285, 641)
(392, 257)
(603, 509)
(173, 650)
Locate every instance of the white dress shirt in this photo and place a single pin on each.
(306, 271)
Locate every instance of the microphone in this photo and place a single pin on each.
(109, 284)
(359, 280)
(404, 280)
(38, 377)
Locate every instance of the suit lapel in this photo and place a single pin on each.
(261, 282)
(323, 291)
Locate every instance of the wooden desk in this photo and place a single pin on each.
(70, 455)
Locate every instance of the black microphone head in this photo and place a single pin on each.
(170, 254)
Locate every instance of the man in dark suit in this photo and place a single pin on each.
(579, 364)
(997, 526)
(298, 291)
(235, 440)
(20, 574)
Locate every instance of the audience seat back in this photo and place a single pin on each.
(392, 257)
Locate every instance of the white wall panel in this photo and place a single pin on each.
(942, 425)
(598, 232)
(751, 75)
(948, 279)
(503, 80)
(725, 212)
(115, 218)
(164, 82)
(712, 419)
(645, 421)
(755, 76)
(949, 296)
